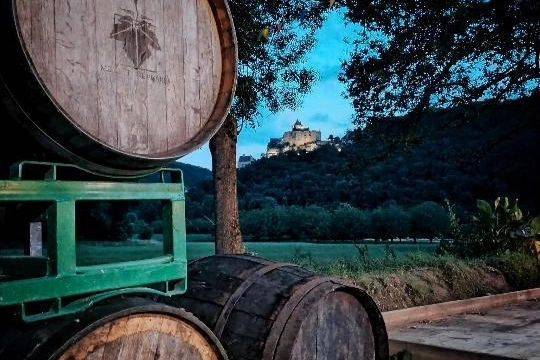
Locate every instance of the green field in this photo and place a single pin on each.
(93, 253)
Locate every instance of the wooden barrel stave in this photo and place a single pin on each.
(264, 310)
(121, 330)
(77, 87)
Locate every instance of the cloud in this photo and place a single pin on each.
(319, 118)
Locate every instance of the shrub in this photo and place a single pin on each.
(520, 270)
(391, 222)
(496, 229)
(349, 223)
(429, 220)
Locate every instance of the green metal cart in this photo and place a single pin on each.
(55, 281)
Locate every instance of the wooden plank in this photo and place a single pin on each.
(157, 82)
(191, 66)
(24, 17)
(75, 31)
(131, 92)
(305, 348)
(43, 41)
(175, 89)
(217, 60)
(400, 318)
(107, 112)
(205, 41)
(502, 332)
(430, 352)
(150, 342)
(333, 332)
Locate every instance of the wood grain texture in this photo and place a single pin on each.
(149, 78)
(337, 328)
(143, 337)
(263, 310)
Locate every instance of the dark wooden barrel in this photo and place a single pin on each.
(273, 311)
(123, 330)
(117, 86)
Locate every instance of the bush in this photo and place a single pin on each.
(349, 223)
(429, 220)
(497, 229)
(520, 270)
(391, 222)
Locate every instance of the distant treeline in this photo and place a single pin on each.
(426, 220)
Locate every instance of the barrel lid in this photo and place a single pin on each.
(145, 79)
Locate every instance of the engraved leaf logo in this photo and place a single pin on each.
(137, 35)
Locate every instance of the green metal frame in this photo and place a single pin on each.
(62, 279)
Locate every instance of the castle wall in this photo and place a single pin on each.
(301, 138)
(298, 139)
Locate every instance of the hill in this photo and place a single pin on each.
(194, 175)
(461, 154)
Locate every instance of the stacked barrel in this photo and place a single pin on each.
(123, 87)
(118, 87)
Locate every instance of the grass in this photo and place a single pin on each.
(396, 275)
(89, 253)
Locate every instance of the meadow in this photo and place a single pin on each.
(90, 253)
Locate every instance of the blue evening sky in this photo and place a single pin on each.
(325, 108)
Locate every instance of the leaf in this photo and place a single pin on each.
(138, 36)
(484, 207)
(517, 215)
(515, 212)
(535, 225)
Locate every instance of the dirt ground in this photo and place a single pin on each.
(434, 285)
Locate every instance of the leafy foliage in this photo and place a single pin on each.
(273, 38)
(411, 55)
(495, 228)
(344, 223)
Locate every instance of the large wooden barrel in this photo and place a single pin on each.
(117, 86)
(272, 311)
(124, 330)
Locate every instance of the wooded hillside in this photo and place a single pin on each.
(463, 154)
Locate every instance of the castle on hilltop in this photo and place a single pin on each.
(300, 138)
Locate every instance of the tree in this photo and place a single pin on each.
(273, 38)
(415, 54)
